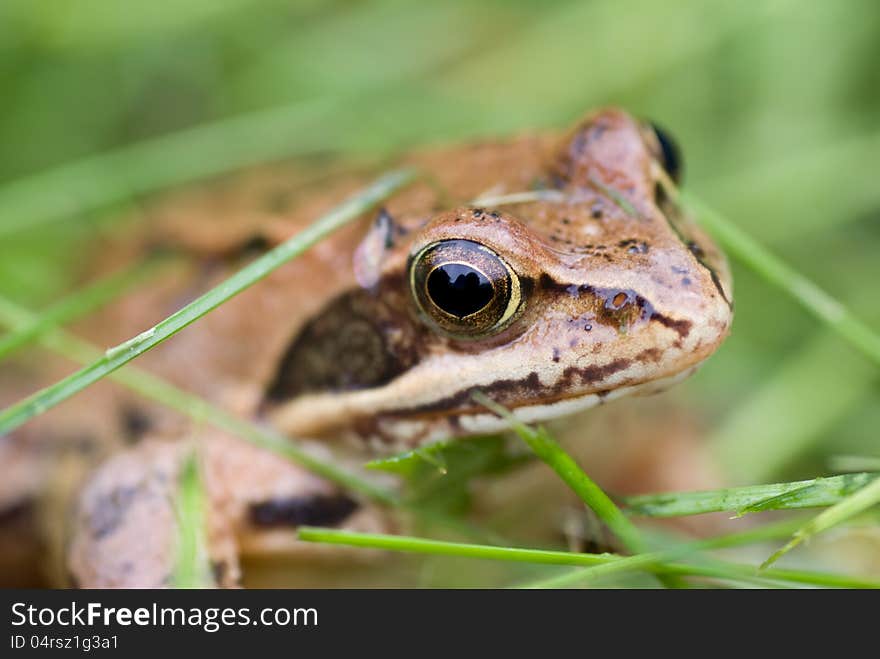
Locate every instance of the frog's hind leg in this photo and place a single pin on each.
(125, 528)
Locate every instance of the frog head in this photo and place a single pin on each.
(587, 286)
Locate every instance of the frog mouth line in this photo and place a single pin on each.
(461, 406)
(563, 406)
(475, 421)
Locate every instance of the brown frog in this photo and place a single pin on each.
(550, 273)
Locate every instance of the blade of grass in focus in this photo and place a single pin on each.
(751, 536)
(777, 496)
(718, 569)
(117, 356)
(852, 505)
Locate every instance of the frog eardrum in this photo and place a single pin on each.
(464, 288)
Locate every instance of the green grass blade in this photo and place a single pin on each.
(854, 504)
(750, 536)
(564, 465)
(192, 567)
(76, 306)
(21, 412)
(776, 496)
(445, 548)
(778, 273)
(154, 388)
(718, 569)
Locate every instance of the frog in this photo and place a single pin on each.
(550, 272)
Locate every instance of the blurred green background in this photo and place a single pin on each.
(776, 106)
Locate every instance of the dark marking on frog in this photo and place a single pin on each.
(110, 509)
(348, 346)
(619, 307)
(253, 246)
(17, 511)
(135, 423)
(590, 374)
(371, 426)
(661, 198)
(649, 354)
(389, 229)
(615, 307)
(505, 391)
(315, 510)
(674, 218)
(695, 249)
(682, 327)
(634, 246)
(219, 569)
(524, 388)
(717, 281)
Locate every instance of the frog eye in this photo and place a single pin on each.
(464, 288)
(670, 154)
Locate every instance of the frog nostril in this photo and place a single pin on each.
(459, 289)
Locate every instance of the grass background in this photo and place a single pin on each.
(776, 106)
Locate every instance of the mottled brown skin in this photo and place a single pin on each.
(620, 294)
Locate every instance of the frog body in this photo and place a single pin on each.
(549, 272)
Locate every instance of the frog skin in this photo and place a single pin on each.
(549, 272)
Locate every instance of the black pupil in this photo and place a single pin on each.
(459, 289)
(671, 153)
